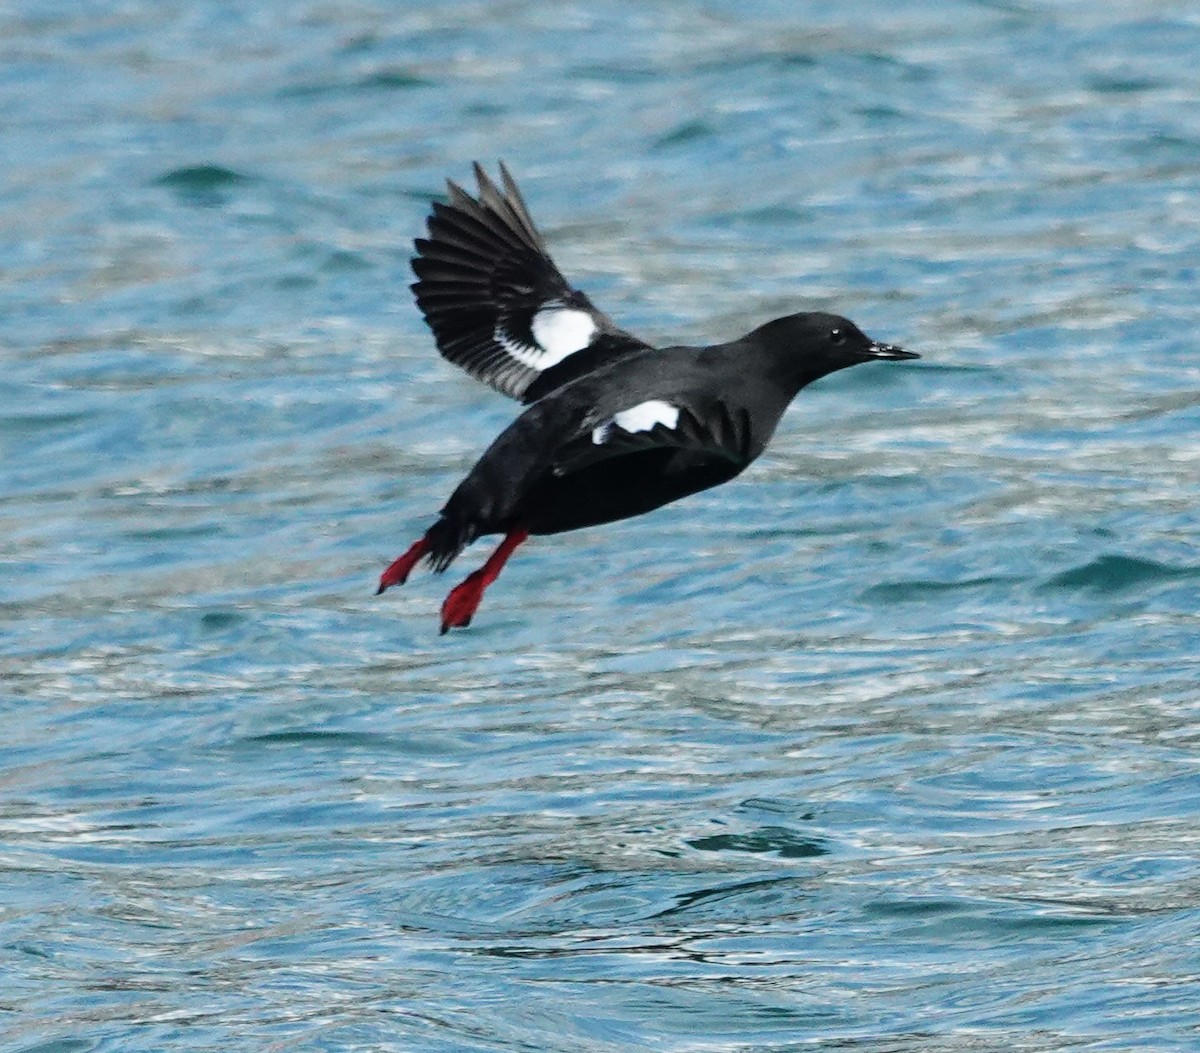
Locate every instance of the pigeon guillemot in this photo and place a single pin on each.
(615, 427)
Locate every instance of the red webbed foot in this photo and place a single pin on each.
(464, 598)
(462, 603)
(400, 569)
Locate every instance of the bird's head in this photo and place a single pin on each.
(810, 345)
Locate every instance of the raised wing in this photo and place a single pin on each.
(713, 432)
(497, 304)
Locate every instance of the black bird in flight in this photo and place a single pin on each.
(614, 427)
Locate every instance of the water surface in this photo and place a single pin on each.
(890, 745)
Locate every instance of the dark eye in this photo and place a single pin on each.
(837, 336)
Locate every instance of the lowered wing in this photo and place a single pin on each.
(711, 431)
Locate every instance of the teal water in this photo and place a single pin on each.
(892, 745)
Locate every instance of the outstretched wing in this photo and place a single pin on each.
(712, 431)
(497, 304)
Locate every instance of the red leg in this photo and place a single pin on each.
(398, 572)
(463, 601)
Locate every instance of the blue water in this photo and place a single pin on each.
(891, 745)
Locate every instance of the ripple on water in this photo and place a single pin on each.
(768, 840)
(1114, 573)
(889, 745)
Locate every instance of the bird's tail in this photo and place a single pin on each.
(445, 540)
(439, 546)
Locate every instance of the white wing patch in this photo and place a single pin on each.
(562, 331)
(642, 417)
(558, 332)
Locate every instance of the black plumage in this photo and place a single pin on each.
(614, 427)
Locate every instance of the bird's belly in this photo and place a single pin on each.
(620, 488)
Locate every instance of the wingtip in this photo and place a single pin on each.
(482, 179)
(459, 198)
(513, 193)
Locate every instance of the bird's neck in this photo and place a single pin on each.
(786, 370)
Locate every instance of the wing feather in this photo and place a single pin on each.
(710, 429)
(487, 286)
